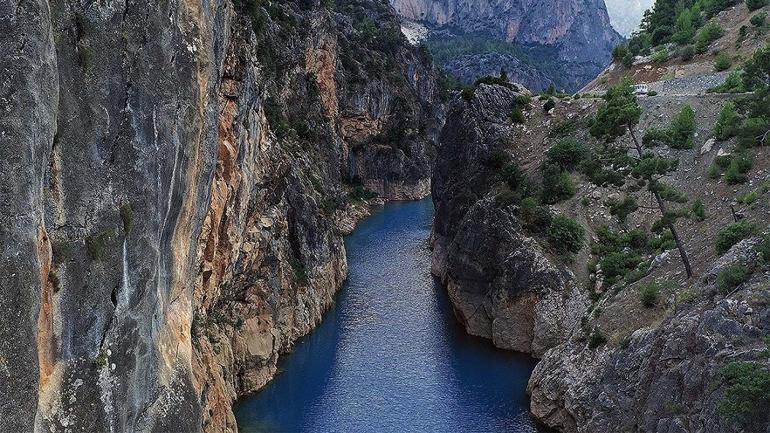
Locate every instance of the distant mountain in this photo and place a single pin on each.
(568, 40)
(626, 15)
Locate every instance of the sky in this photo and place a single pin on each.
(627, 14)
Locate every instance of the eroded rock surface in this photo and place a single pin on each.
(177, 177)
(501, 282)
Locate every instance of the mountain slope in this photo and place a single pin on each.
(576, 33)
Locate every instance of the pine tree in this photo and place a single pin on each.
(620, 114)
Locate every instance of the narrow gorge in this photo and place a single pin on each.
(340, 215)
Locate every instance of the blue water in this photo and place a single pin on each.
(389, 356)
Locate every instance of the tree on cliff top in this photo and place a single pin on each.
(620, 114)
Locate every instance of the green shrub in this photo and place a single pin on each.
(567, 154)
(566, 235)
(748, 392)
(628, 60)
(620, 51)
(733, 84)
(752, 129)
(759, 19)
(652, 93)
(517, 115)
(683, 128)
(596, 339)
(732, 277)
(726, 125)
(756, 4)
(617, 264)
(722, 62)
(622, 208)
(708, 34)
(740, 164)
(536, 218)
(747, 198)
(648, 294)
(733, 234)
(698, 210)
(656, 136)
(687, 53)
(763, 248)
(557, 184)
(661, 55)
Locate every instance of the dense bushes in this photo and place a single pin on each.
(557, 184)
(567, 154)
(755, 4)
(748, 392)
(733, 234)
(566, 234)
(722, 62)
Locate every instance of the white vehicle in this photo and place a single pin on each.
(641, 89)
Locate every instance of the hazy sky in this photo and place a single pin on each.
(627, 14)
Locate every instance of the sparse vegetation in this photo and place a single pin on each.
(648, 294)
(596, 339)
(730, 278)
(621, 114)
(96, 245)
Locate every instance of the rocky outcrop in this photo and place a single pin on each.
(502, 283)
(578, 32)
(469, 67)
(179, 172)
(666, 378)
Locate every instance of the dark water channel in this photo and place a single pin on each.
(389, 356)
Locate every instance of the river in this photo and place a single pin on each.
(389, 356)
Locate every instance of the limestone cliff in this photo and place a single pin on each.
(177, 177)
(503, 283)
(609, 361)
(575, 35)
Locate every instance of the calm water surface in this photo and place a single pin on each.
(390, 357)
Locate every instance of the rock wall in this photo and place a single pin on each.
(502, 283)
(667, 378)
(577, 31)
(183, 175)
(609, 362)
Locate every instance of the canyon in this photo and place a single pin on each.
(178, 178)
(183, 174)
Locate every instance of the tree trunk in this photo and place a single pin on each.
(662, 207)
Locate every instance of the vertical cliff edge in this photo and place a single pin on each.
(177, 178)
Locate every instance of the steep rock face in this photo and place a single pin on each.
(668, 378)
(578, 31)
(180, 189)
(501, 282)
